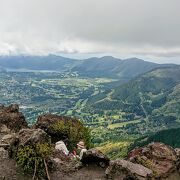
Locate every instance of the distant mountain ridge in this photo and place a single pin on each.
(51, 62)
(106, 66)
(113, 67)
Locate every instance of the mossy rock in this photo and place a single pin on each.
(68, 129)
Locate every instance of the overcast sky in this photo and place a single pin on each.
(149, 29)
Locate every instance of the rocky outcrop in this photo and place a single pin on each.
(122, 169)
(154, 161)
(158, 157)
(95, 156)
(64, 164)
(70, 130)
(11, 119)
(50, 122)
(32, 136)
(8, 140)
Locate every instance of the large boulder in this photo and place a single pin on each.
(50, 123)
(11, 118)
(68, 129)
(122, 169)
(32, 136)
(95, 156)
(158, 157)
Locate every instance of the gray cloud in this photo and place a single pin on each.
(126, 27)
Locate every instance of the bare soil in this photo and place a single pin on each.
(90, 172)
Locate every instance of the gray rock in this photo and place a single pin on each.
(32, 136)
(160, 158)
(8, 140)
(95, 156)
(122, 169)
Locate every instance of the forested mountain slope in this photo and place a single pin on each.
(153, 98)
(113, 67)
(168, 136)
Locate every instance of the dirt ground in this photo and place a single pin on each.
(9, 171)
(86, 173)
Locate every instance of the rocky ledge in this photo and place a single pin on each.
(154, 161)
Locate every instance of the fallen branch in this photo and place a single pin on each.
(46, 167)
(35, 169)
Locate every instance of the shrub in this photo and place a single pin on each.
(31, 158)
(74, 132)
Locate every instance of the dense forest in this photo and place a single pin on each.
(168, 136)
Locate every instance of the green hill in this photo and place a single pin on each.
(152, 100)
(138, 109)
(108, 66)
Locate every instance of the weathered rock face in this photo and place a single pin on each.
(4, 129)
(11, 118)
(8, 140)
(122, 169)
(32, 136)
(95, 156)
(64, 164)
(158, 157)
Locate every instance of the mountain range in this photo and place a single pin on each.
(106, 66)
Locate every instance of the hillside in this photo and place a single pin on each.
(98, 66)
(145, 93)
(146, 104)
(113, 67)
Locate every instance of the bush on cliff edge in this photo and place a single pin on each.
(32, 158)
